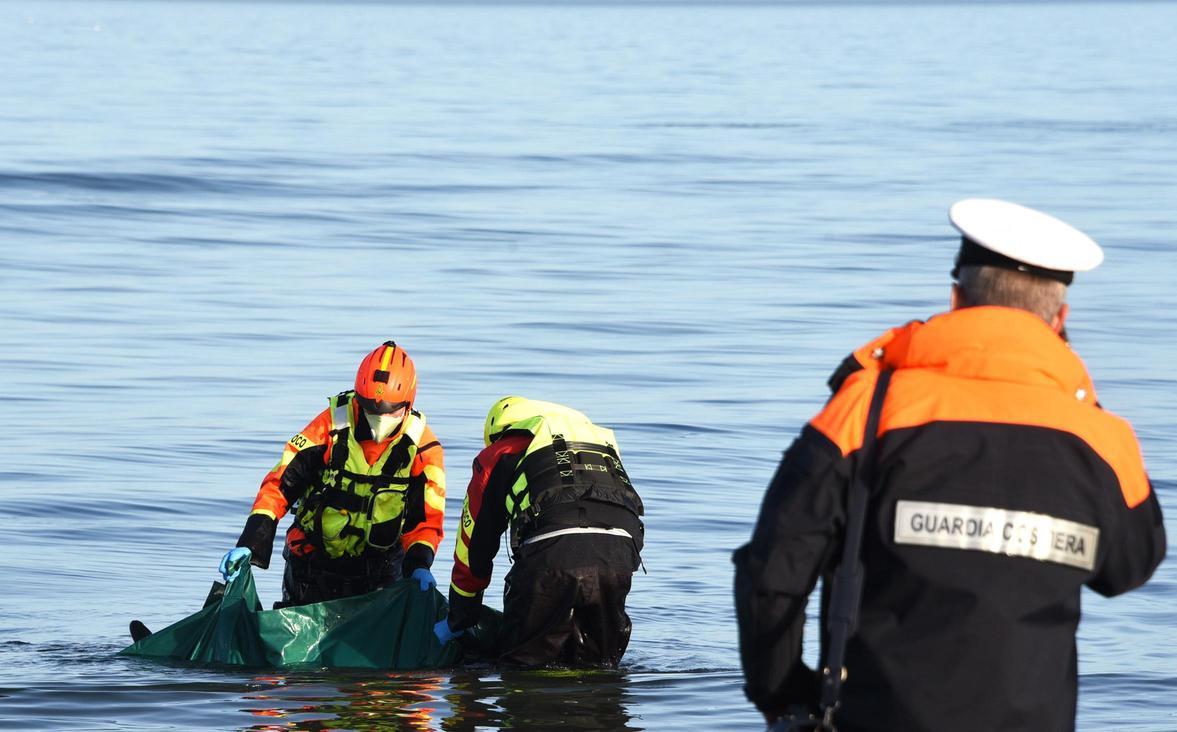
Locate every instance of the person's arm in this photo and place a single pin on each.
(423, 532)
(302, 460)
(1135, 546)
(484, 519)
(1132, 533)
(795, 540)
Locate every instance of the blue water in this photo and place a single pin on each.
(678, 219)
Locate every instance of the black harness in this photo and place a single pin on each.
(565, 481)
(335, 496)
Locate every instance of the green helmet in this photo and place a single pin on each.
(506, 412)
(516, 412)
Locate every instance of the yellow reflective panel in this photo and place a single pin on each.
(462, 592)
(435, 500)
(287, 456)
(437, 476)
(462, 551)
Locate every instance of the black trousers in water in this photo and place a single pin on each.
(305, 582)
(564, 602)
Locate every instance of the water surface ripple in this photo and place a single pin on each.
(679, 218)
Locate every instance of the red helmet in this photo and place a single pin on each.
(386, 380)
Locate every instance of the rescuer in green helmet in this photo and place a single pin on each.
(554, 480)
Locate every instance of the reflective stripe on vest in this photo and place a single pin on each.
(355, 505)
(577, 530)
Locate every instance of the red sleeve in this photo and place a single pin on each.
(484, 515)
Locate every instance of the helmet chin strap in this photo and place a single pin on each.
(383, 425)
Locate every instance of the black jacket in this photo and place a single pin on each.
(1002, 489)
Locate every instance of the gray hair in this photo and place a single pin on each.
(984, 285)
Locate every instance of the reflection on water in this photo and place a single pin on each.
(323, 703)
(533, 699)
(465, 700)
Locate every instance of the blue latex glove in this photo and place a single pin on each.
(441, 629)
(425, 577)
(231, 562)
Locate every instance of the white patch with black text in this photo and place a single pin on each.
(998, 530)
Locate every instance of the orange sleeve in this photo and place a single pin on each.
(274, 497)
(430, 463)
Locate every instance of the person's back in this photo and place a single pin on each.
(1020, 469)
(553, 481)
(998, 488)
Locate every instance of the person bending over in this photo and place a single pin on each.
(554, 481)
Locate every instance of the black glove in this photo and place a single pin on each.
(419, 556)
(464, 611)
(258, 537)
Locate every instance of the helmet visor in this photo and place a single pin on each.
(377, 406)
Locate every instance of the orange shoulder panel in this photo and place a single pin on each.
(843, 420)
(920, 396)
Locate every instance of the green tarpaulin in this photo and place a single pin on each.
(387, 629)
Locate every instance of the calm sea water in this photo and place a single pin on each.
(678, 219)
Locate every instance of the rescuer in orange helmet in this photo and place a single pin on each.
(366, 482)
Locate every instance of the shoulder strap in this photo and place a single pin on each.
(846, 591)
(340, 427)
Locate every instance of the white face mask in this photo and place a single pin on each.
(384, 425)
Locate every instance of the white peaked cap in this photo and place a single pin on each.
(1024, 235)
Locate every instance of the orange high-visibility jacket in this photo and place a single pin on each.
(304, 459)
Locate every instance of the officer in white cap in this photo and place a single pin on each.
(996, 488)
(1007, 237)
